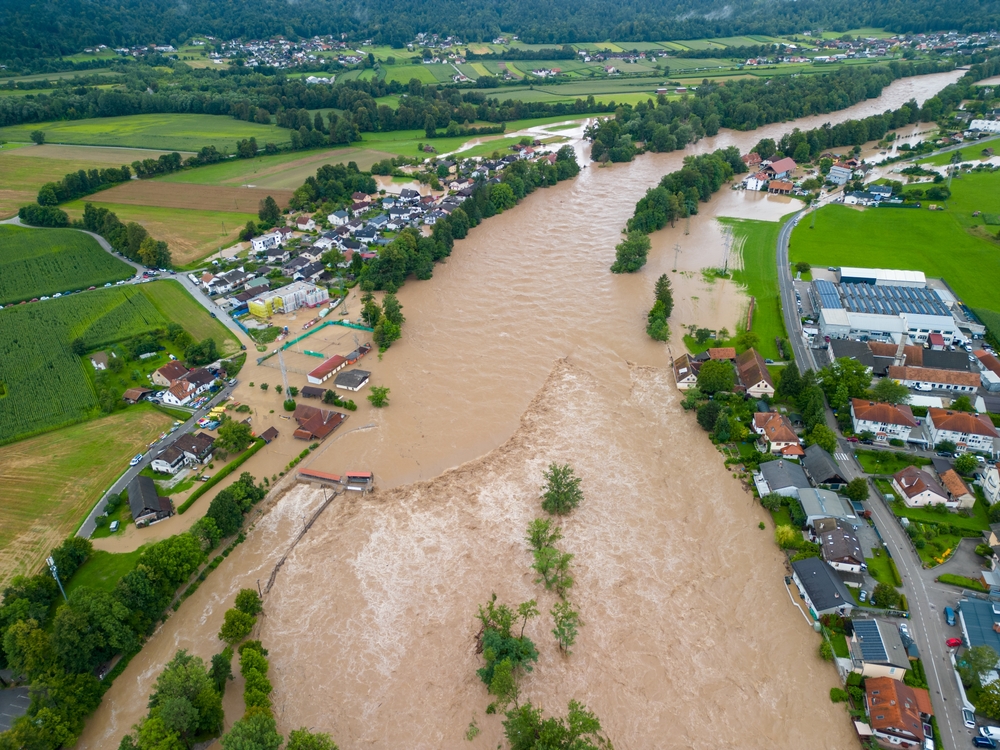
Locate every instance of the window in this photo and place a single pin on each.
(880, 716)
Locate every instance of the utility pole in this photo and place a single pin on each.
(727, 238)
(55, 574)
(677, 251)
(284, 374)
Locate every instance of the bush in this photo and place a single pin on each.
(896, 442)
(857, 695)
(826, 651)
(837, 695)
(289, 404)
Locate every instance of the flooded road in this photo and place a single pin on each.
(524, 349)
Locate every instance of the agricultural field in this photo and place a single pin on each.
(970, 154)
(191, 234)
(175, 303)
(759, 275)
(52, 481)
(911, 239)
(25, 168)
(37, 262)
(160, 131)
(153, 193)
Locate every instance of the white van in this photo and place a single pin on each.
(992, 732)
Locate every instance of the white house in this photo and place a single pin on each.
(757, 181)
(968, 431)
(179, 394)
(918, 489)
(985, 126)
(685, 372)
(839, 174)
(305, 224)
(338, 218)
(776, 431)
(265, 242)
(989, 479)
(169, 461)
(885, 421)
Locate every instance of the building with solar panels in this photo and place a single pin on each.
(870, 311)
(877, 650)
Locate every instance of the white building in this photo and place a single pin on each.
(838, 174)
(265, 242)
(989, 479)
(885, 421)
(985, 126)
(287, 298)
(968, 431)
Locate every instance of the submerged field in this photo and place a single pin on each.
(950, 244)
(160, 131)
(51, 481)
(36, 262)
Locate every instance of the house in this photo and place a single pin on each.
(256, 286)
(776, 431)
(288, 299)
(265, 242)
(135, 395)
(305, 224)
(818, 504)
(197, 449)
(179, 394)
(352, 380)
(720, 353)
(988, 478)
(146, 505)
(227, 282)
(781, 477)
(309, 272)
(268, 435)
(169, 461)
(311, 391)
(821, 468)
(781, 168)
(367, 235)
(757, 181)
(958, 491)
(840, 547)
(328, 369)
(751, 160)
(917, 488)
(99, 360)
(990, 376)
(686, 372)
(361, 198)
(315, 424)
(358, 353)
(968, 431)
(882, 191)
(284, 234)
(877, 650)
(339, 218)
(823, 591)
(277, 255)
(169, 374)
(897, 712)
(884, 421)
(839, 174)
(200, 378)
(925, 379)
(753, 374)
(779, 187)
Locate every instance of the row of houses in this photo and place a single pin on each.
(752, 375)
(967, 430)
(182, 385)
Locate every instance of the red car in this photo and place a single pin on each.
(953, 642)
(851, 439)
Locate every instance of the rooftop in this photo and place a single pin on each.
(824, 588)
(962, 421)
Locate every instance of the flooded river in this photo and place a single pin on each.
(524, 349)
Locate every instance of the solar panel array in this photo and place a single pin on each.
(891, 300)
(828, 295)
(872, 648)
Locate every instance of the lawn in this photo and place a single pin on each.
(839, 643)
(887, 462)
(970, 525)
(175, 303)
(159, 131)
(759, 275)
(52, 481)
(914, 239)
(969, 154)
(880, 567)
(37, 262)
(191, 234)
(103, 570)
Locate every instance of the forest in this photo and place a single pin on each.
(47, 28)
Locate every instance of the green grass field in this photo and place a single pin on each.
(51, 481)
(103, 570)
(949, 244)
(969, 154)
(760, 277)
(175, 303)
(36, 262)
(160, 131)
(887, 462)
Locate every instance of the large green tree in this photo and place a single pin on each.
(631, 253)
(888, 391)
(561, 492)
(716, 375)
(525, 729)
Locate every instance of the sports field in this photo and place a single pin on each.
(161, 131)
(51, 481)
(204, 197)
(37, 262)
(191, 234)
(949, 244)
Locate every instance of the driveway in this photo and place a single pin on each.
(14, 703)
(965, 561)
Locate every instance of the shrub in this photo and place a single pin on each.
(837, 695)
(289, 404)
(826, 651)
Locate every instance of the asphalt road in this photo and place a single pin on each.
(803, 355)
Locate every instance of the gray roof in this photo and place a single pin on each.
(978, 618)
(878, 642)
(825, 589)
(352, 378)
(143, 498)
(942, 360)
(821, 467)
(854, 349)
(841, 545)
(780, 474)
(825, 504)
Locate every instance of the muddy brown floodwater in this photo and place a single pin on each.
(523, 349)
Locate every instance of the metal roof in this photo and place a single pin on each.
(827, 291)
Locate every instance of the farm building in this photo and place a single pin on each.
(327, 370)
(146, 506)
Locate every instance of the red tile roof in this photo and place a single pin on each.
(783, 165)
(931, 375)
(331, 365)
(722, 352)
(895, 706)
(954, 484)
(913, 481)
(872, 411)
(173, 371)
(988, 361)
(961, 421)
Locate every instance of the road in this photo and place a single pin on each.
(793, 325)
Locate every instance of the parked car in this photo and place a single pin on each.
(863, 596)
(983, 742)
(904, 629)
(851, 439)
(992, 733)
(135, 460)
(946, 454)
(114, 527)
(969, 716)
(949, 615)
(953, 642)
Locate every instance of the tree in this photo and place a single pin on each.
(379, 396)
(702, 335)
(772, 501)
(249, 602)
(845, 379)
(886, 596)
(503, 686)
(385, 333)
(822, 436)
(249, 231)
(981, 660)
(665, 294)
(962, 403)
(502, 197)
(988, 703)
(202, 353)
(561, 492)
(966, 464)
(268, 211)
(802, 267)
(787, 537)
(708, 415)
(255, 732)
(303, 739)
(715, 376)
(525, 729)
(222, 669)
(234, 437)
(946, 446)
(631, 253)
(566, 621)
(38, 136)
(392, 310)
(857, 489)
(656, 322)
(542, 533)
(236, 626)
(889, 391)
(789, 382)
